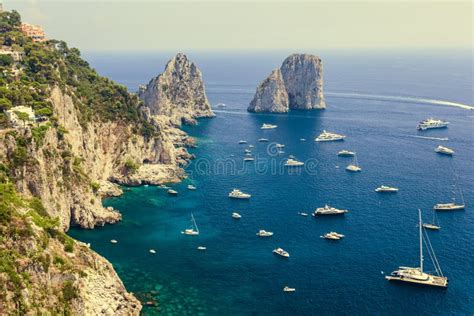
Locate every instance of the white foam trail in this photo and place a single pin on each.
(428, 137)
(400, 99)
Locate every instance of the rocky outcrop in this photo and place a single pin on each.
(271, 95)
(66, 170)
(302, 78)
(177, 93)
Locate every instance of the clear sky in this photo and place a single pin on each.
(106, 25)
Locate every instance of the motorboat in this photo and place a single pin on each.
(444, 150)
(329, 137)
(386, 189)
(346, 153)
(281, 252)
(264, 233)
(293, 163)
(172, 192)
(268, 126)
(431, 123)
(237, 194)
(236, 215)
(328, 210)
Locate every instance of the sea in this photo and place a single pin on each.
(376, 99)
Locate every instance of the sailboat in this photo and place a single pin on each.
(193, 230)
(434, 225)
(417, 275)
(354, 166)
(452, 206)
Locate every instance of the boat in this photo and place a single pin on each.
(386, 189)
(453, 206)
(247, 151)
(293, 163)
(417, 275)
(328, 210)
(444, 150)
(251, 146)
(193, 230)
(264, 233)
(434, 225)
(191, 187)
(346, 153)
(249, 159)
(241, 142)
(281, 252)
(268, 126)
(279, 145)
(201, 248)
(303, 214)
(263, 140)
(288, 289)
(172, 192)
(333, 236)
(221, 105)
(152, 251)
(236, 215)
(113, 241)
(329, 137)
(431, 123)
(354, 166)
(237, 194)
(303, 139)
(162, 186)
(280, 152)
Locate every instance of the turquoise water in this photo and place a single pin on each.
(238, 274)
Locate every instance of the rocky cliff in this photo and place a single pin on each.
(271, 95)
(302, 82)
(177, 93)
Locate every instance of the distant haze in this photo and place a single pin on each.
(245, 26)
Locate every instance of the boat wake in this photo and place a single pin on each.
(428, 137)
(414, 100)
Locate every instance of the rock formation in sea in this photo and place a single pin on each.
(177, 93)
(302, 81)
(271, 95)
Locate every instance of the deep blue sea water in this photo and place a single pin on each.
(238, 274)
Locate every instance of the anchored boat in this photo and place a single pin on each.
(417, 275)
(193, 230)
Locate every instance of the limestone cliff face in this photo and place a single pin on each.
(302, 82)
(271, 95)
(177, 93)
(303, 77)
(66, 168)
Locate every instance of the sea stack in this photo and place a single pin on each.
(271, 95)
(301, 78)
(177, 93)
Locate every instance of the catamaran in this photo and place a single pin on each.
(354, 166)
(193, 230)
(434, 225)
(417, 275)
(329, 137)
(431, 123)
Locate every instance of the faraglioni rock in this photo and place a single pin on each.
(271, 95)
(301, 78)
(177, 93)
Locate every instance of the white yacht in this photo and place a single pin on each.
(444, 150)
(191, 187)
(288, 289)
(329, 137)
(241, 142)
(193, 230)
(293, 163)
(264, 233)
(113, 241)
(236, 215)
(281, 252)
(354, 166)
(431, 123)
(328, 210)
(268, 126)
(386, 189)
(248, 158)
(346, 153)
(201, 248)
(153, 251)
(333, 236)
(417, 275)
(263, 140)
(237, 194)
(172, 192)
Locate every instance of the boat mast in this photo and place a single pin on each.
(194, 222)
(421, 241)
